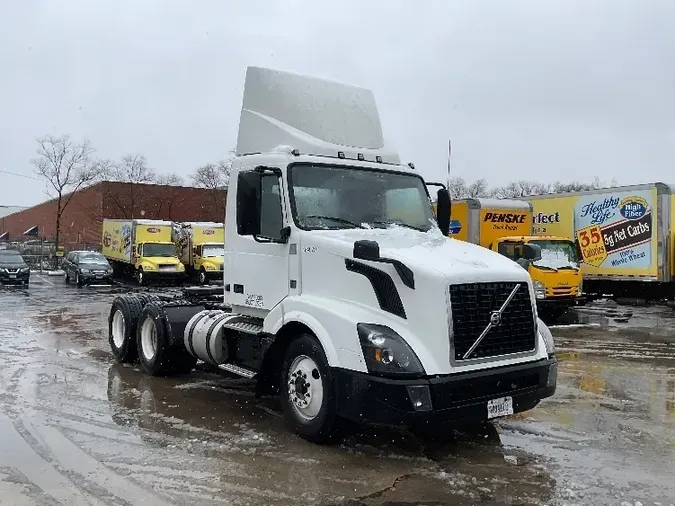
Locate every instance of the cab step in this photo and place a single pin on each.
(238, 370)
(247, 326)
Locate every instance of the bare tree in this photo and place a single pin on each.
(66, 166)
(478, 189)
(131, 169)
(214, 177)
(172, 179)
(457, 188)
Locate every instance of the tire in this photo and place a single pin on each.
(140, 277)
(66, 278)
(306, 361)
(203, 280)
(152, 339)
(145, 298)
(78, 280)
(122, 323)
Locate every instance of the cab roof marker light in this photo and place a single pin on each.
(411, 165)
(341, 154)
(295, 152)
(378, 159)
(360, 157)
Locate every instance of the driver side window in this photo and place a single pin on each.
(271, 216)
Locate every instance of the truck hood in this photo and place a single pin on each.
(433, 254)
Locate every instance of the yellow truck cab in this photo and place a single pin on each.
(505, 226)
(201, 249)
(142, 248)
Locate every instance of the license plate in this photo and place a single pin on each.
(500, 407)
(12, 276)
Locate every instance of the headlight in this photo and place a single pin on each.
(539, 289)
(25, 269)
(545, 332)
(386, 352)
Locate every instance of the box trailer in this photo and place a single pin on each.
(142, 248)
(624, 237)
(201, 248)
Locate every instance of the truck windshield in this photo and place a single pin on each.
(557, 255)
(334, 197)
(151, 249)
(214, 250)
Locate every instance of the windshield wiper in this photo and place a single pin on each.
(396, 222)
(337, 219)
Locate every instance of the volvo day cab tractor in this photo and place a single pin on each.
(200, 248)
(506, 226)
(142, 248)
(342, 293)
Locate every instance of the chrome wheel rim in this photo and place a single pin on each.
(118, 329)
(305, 387)
(149, 339)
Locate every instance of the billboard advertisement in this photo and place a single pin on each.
(615, 232)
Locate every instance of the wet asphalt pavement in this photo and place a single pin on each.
(77, 428)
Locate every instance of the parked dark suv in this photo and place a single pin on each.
(13, 269)
(86, 267)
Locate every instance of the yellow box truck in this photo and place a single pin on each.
(623, 235)
(505, 226)
(143, 248)
(201, 248)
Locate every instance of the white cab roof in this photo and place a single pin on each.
(314, 115)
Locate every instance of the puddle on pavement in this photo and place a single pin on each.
(206, 414)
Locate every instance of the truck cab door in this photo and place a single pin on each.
(257, 263)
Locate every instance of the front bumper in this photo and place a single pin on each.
(164, 276)
(14, 277)
(460, 398)
(214, 275)
(88, 277)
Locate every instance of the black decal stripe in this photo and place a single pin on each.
(384, 287)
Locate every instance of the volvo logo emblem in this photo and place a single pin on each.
(495, 318)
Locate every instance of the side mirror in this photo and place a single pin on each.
(367, 250)
(531, 252)
(443, 209)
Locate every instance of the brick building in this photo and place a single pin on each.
(83, 216)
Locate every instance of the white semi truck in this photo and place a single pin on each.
(342, 293)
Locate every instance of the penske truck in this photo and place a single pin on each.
(623, 235)
(143, 249)
(342, 294)
(505, 226)
(200, 247)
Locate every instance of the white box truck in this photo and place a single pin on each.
(342, 293)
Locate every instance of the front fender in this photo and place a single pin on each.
(334, 328)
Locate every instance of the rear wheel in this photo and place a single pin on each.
(122, 323)
(307, 398)
(155, 354)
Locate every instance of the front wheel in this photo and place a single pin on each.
(140, 277)
(203, 280)
(307, 398)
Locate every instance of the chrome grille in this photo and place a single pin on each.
(472, 307)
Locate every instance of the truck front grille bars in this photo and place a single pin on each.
(484, 309)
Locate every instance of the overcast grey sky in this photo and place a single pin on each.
(546, 90)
